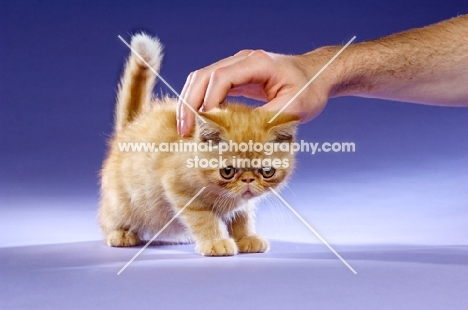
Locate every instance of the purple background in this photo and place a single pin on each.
(403, 191)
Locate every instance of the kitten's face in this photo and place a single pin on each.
(247, 183)
(245, 174)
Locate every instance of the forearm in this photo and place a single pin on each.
(425, 65)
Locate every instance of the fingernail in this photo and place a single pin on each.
(180, 116)
(182, 129)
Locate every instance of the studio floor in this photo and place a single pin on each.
(83, 275)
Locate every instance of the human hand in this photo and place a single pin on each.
(259, 75)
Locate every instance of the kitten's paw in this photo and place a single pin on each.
(122, 238)
(222, 247)
(253, 244)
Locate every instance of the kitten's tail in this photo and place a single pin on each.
(138, 80)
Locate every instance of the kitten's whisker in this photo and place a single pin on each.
(221, 203)
(276, 211)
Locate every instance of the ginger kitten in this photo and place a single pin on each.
(142, 191)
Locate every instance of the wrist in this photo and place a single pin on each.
(335, 76)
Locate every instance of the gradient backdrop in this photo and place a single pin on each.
(60, 62)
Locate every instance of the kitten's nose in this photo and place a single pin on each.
(247, 177)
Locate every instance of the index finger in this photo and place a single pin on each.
(194, 90)
(256, 68)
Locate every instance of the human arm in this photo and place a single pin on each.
(424, 65)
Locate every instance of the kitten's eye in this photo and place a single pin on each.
(228, 172)
(267, 172)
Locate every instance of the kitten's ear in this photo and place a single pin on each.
(208, 130)
(284, 132)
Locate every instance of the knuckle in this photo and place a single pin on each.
(261, 54)
(216, 75)
(194, 74)
(198, 74)
(244, 52)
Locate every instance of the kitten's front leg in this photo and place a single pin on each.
(242, 230)
(210, 233)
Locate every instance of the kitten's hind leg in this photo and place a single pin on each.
(242, 230)
(116, 233)
(122, 238)
(114, 218)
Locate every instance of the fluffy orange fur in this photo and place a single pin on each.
(142, 191)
